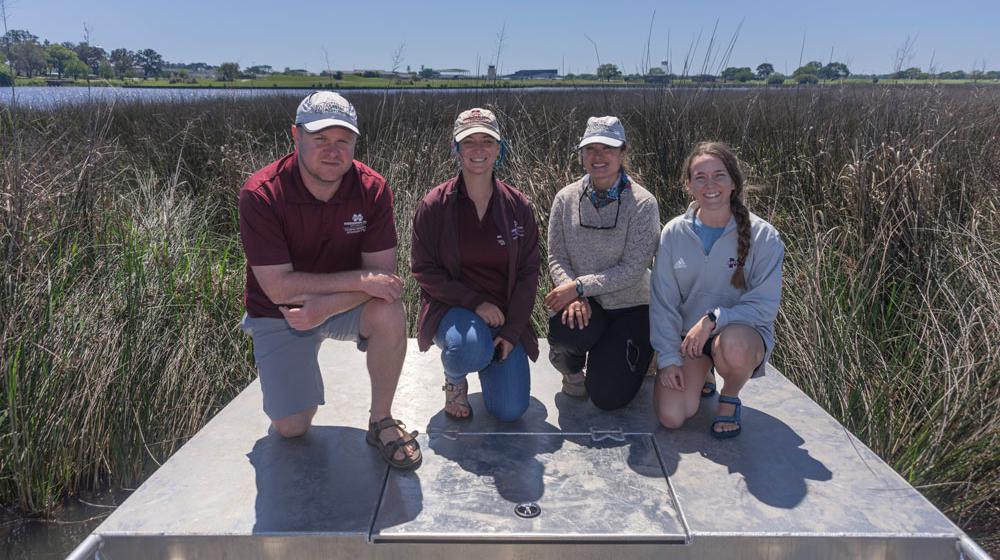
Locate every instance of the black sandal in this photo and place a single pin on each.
(388, 449)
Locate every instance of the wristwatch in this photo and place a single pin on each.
(579, 287)
(711, 317)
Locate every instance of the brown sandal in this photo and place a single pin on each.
(388, 449)
(458, 395)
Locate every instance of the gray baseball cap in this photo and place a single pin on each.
(603, 130)
(323, 109)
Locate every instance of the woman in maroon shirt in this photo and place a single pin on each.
(475, 256)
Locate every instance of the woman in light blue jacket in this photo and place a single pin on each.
(715, 290)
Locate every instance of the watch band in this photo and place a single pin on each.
(579, 287)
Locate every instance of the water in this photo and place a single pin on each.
(22, 538)
(41, 97)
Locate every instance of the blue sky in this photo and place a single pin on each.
(866, 35)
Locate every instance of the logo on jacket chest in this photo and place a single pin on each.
(515, 232)
(358, 224)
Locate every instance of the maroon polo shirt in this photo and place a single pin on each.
(282, 222)
(482, 251)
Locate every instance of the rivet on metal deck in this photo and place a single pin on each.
(795, 484)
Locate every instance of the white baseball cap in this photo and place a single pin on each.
(603, 130)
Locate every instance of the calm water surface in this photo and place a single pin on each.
(47, 97)
(24, 539)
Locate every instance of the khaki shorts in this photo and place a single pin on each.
(288, 360)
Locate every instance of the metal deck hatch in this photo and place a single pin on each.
(585, 488)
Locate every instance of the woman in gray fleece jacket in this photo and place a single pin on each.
(602, 236)
(715, 291)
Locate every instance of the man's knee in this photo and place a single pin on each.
(384, 318)
(294, 425)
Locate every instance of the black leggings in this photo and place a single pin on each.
(614, 346)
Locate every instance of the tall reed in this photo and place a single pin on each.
(123, 273)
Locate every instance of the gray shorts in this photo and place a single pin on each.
(288, 360)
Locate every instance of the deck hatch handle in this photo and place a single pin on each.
(614, 434)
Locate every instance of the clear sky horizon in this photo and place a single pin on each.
(868, 36)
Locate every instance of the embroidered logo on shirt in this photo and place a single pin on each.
(358, 224)
(680, 264)
(517, 230)
(733, 263)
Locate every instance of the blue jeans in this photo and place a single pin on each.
(466, 344)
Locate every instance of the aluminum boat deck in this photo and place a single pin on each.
(565, 481)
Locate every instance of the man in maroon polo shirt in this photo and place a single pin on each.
(320, 241)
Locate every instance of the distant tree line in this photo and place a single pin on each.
(810, 73)
(21, 54)
(26, 56)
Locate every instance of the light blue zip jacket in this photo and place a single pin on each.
(686, 284)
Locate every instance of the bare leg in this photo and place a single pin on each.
(384, 325)
(736, 351)
(674, 407)
(294, 425)
(709, 378)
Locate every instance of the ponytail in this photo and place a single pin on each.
(742, 217)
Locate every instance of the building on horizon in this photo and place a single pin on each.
(452, 73)
(546, 74)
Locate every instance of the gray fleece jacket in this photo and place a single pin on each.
(686, 283)
(612, 264)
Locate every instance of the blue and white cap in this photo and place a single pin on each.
(323, 109)
(603, 130)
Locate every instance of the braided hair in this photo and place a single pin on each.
(725, 154)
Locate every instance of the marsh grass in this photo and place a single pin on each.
(123, 274)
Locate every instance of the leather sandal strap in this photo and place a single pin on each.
(384, 423)
(455, 394)
(403, 441)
